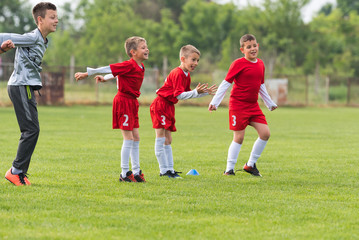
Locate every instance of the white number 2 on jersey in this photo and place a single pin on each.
(125, 123)
(163, 120)
(234, 120)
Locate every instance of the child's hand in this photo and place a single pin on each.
(100, 78)
(212, 90)
(7, 45)
(80, 75)
(273, 108)
(202, 88)
(212, 108)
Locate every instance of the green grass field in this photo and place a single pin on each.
(309, 189)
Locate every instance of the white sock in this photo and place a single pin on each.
(233, 152)
(169, 157)
(257, 150)
(135, 157)
(125, 156)
(160, 154)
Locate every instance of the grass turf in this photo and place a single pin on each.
(309, 188)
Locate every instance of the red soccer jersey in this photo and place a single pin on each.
(247, 78)
(129, 77)
(176, 83)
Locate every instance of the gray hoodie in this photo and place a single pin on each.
(30, 49)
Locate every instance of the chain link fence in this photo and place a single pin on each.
(60, 87)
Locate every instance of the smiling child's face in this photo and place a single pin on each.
(141, 53)
(250, 50)
(190, 62)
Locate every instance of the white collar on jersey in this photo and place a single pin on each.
(186, 73)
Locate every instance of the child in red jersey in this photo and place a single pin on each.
(247, 73)
(125, 107)
(176, 87)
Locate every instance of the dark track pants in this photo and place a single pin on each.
(24, 101)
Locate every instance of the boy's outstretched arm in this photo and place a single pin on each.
(92, 71)
(218, 97)
(199, 91)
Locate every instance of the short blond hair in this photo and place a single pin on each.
(132, 43)
(245, 38)
(187, 50)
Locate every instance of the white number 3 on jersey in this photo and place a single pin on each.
(163, 120)
(234, 120)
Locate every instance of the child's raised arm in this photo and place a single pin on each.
(92, 71)
(20, 40)
(199, 91)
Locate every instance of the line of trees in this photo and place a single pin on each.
(94, 32)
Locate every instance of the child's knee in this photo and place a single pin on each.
(168, 141)
(265, 136)
(238, 140)
(34, 131)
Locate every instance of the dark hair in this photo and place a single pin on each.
(40, 9)
(245, 38)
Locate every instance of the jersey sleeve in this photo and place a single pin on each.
(266, 98)
(233, 71)
(188, 95)
(120, 68)
(20, 40)
(264, 68)
(221, 91)
(100, 70)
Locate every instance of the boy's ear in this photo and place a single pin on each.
(242, 49)
(132, 51)
(39, 20)
(182, 58)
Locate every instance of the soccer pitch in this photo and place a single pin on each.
(309, 188)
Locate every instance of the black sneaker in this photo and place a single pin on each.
(230, 172)
(252, 170)
(168, 174)
(175, 174)
(140, 177)
(171, 174)
(129, 177)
